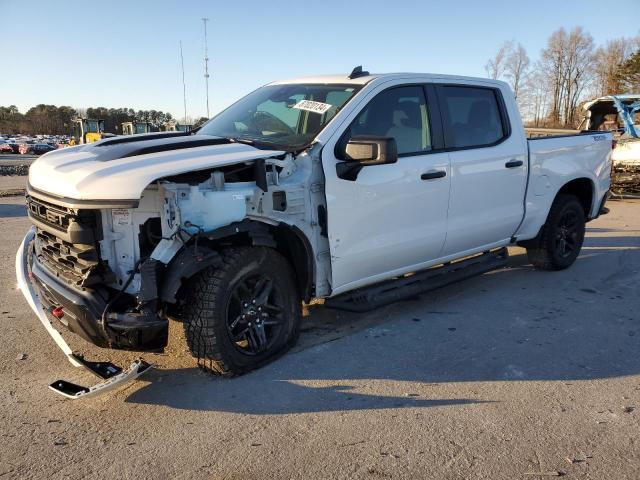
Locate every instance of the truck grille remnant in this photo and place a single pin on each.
(66, 243)
(76, 264)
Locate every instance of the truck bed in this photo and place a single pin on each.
(554, 161)
(536, 132)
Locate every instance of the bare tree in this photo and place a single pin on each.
(495, 67)
(534, 98)
(567, 62)
(607, 62)
(516, 67)
(552, 64)
(579, 65)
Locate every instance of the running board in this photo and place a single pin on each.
(73, 391)
(390, 291)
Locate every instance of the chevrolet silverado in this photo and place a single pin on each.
(357, 189)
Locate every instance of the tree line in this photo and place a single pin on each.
(570, 70)
(52, 120)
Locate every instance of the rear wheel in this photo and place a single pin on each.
(244, 313)
(561, 238)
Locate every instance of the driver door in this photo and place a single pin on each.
(391, 218)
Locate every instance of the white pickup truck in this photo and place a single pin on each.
(357, 189)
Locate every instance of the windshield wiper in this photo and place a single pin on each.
(255, 143)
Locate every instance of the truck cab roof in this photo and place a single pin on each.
(344, 79)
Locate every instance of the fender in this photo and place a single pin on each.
(185, 265)
(258, 232)
(193, 259)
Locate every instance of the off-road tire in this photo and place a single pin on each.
(545, 253)
(206, 301)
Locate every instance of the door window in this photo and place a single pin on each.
(400, 113)
(471, 116)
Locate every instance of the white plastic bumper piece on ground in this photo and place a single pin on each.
(63, 387)
(73, 391)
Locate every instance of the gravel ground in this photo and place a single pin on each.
(11, 165)
(514, 374)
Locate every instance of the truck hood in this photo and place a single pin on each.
(120, 168)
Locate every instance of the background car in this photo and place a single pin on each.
(34, 149)
(40, 148)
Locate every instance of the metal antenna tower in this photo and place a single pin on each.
(184, 85)
(206, 62)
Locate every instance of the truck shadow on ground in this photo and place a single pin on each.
(516, 324)
(9, 210)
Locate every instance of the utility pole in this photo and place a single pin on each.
(184, 85)
(206, 62)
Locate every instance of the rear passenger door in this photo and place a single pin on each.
(488, 168)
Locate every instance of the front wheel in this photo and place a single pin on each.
(561, 238)
(244, 313)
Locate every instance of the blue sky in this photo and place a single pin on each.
(125, 53)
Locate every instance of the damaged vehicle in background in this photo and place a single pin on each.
(619, 114)
(360, 190)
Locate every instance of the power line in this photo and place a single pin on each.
(206, 62)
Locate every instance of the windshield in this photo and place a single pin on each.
(92, 126)
(287, 116)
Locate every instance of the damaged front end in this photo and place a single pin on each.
(112, 376)
(83, 290)
(112, 274)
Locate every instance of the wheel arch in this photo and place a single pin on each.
(584, 189)
(288, 240)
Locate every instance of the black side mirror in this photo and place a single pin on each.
(364, 151)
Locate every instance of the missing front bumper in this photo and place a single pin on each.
(82, 310)
(114, 376)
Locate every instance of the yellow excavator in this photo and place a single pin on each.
(173, 126)
(134, 128)
(87, 130)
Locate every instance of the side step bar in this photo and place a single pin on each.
(390, 291)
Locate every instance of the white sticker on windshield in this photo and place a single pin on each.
(311, 106)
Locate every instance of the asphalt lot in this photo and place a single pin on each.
(11, 185)
(514, 374)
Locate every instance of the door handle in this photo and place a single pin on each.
(513, 163)
(433, 174)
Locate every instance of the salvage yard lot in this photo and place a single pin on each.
(503, 376)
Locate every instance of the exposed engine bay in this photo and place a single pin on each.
(127, 265)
